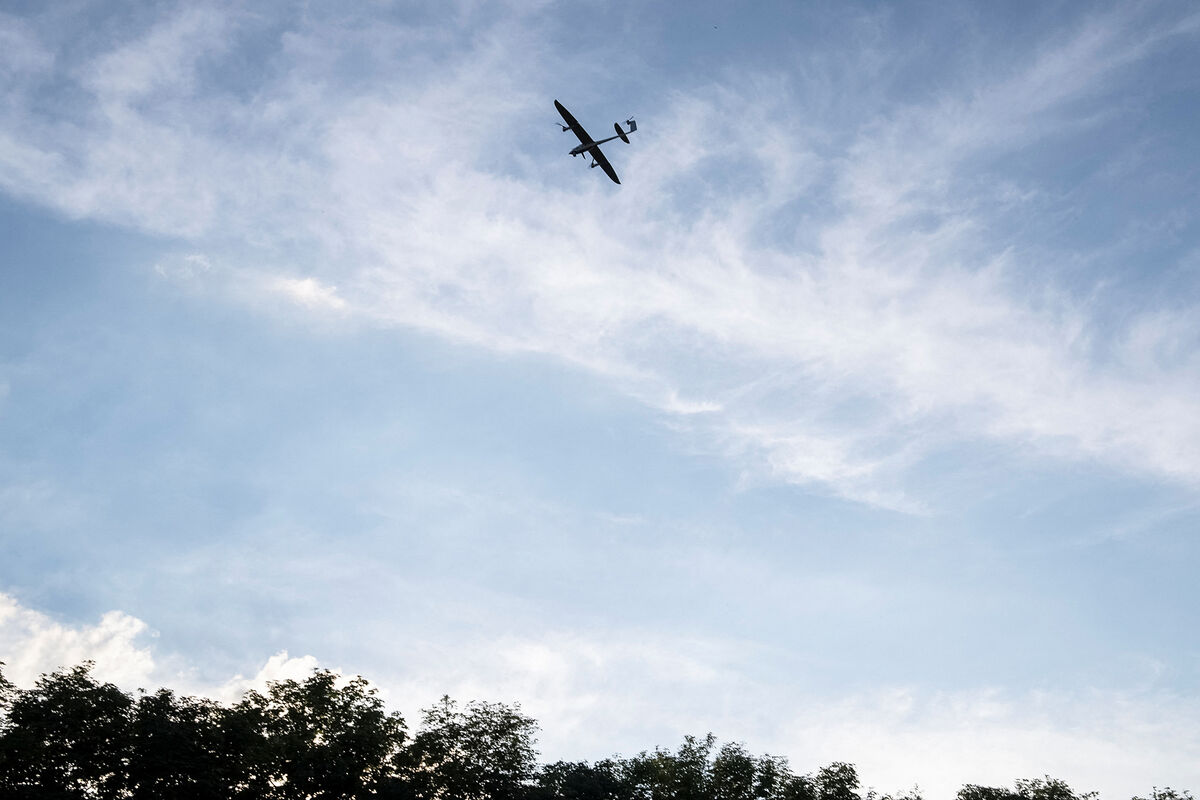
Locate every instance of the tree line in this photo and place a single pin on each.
(326, 738)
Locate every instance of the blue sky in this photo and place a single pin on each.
(860, 422)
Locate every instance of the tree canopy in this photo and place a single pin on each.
(327, 737)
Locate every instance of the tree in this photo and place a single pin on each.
(772, 777)
(1166, 793)
(7, 690)
(578, 780)
(733, 774)
(177, 749)
(316, 740)
(838, 781)
(485, 752)
(71, 737)
(682, 775)
(1048, 788)
(912, 794)
(736, 775)
(67, 737)
(972, 792)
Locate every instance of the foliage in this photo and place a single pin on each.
(578, 780)
(73, 737)
(177, 748)
(1046, 788)
(483, 751)
(973, 792)
(327, 738)
(1167, 793)
(315, 740)
(67, 737)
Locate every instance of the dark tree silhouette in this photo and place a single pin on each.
(578, 780)
(316, 740)
(67, 737)
(733, 774)
(973, 792)
(1046, 788)
(694, 771)
(1167, 793)
(484, 751)
(838, 781)
(178, 749)
(71, 737)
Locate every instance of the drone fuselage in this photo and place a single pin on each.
(586, 146)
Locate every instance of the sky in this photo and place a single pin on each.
(861, 422)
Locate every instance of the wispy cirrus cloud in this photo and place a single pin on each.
(838, 302)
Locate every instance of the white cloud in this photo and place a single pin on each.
(882, 325)
(308, 292)
(596, 694)
(184, 268)
(279, 667)
(163, 59)
(32, 643)
(1116, 743)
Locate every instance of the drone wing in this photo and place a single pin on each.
(604, 165)
(573, 123)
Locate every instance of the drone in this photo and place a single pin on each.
(589, 147)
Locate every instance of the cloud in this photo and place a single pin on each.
(279, 667)
(161, 61)
(20, 52)
(837, 302)
(32, 643)
(598, 693)
(183, 268)
(308, 292)
(1114, 742)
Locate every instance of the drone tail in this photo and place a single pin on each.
(625, 134)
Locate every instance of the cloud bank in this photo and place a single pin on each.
(590, 695)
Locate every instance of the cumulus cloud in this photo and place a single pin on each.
(279, 667)
(33, 643)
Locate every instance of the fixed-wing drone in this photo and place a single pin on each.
(588, 147)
